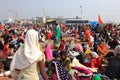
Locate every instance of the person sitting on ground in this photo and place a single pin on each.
(62, 45)
(58, 72)
(65, 60)
(113, 67)
(95, 61)
(48, 52)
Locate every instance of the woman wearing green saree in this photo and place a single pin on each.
(57, 39)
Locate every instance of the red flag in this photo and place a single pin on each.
(100, 20)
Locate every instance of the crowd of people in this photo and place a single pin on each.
(78, 52)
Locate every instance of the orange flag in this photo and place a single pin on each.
(100, 20)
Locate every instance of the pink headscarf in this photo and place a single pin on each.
(48, 52)
(79, 47)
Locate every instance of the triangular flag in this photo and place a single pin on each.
(100, 20)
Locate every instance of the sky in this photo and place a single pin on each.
(109, 10)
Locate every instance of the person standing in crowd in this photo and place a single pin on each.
(87, 34)
(58, 37)
(28, 58)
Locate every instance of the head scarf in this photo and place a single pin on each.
(94, 54)
(79, 47)
(48, 52)
(102, 48)
(28, 53)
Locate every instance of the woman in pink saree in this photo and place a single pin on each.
(48, 52)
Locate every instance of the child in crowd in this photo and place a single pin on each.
(62, 45)
(58, 72)
(65, 60)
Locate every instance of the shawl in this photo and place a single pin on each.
(27, 54)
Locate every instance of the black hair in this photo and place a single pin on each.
(6, 42)
(74, 49)
(63, 53)
(63, 40)
(53, 65)
(1, 45)
(110, 54)
(55, 53)
(11, 46)
(80, 57)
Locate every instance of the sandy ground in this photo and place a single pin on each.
(66, 39)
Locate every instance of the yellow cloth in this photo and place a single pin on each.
(88, 51)
(64, 63)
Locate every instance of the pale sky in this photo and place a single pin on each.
(109, 10)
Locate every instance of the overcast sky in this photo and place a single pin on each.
(109, 10)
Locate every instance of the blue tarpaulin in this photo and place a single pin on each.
(94, 24)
